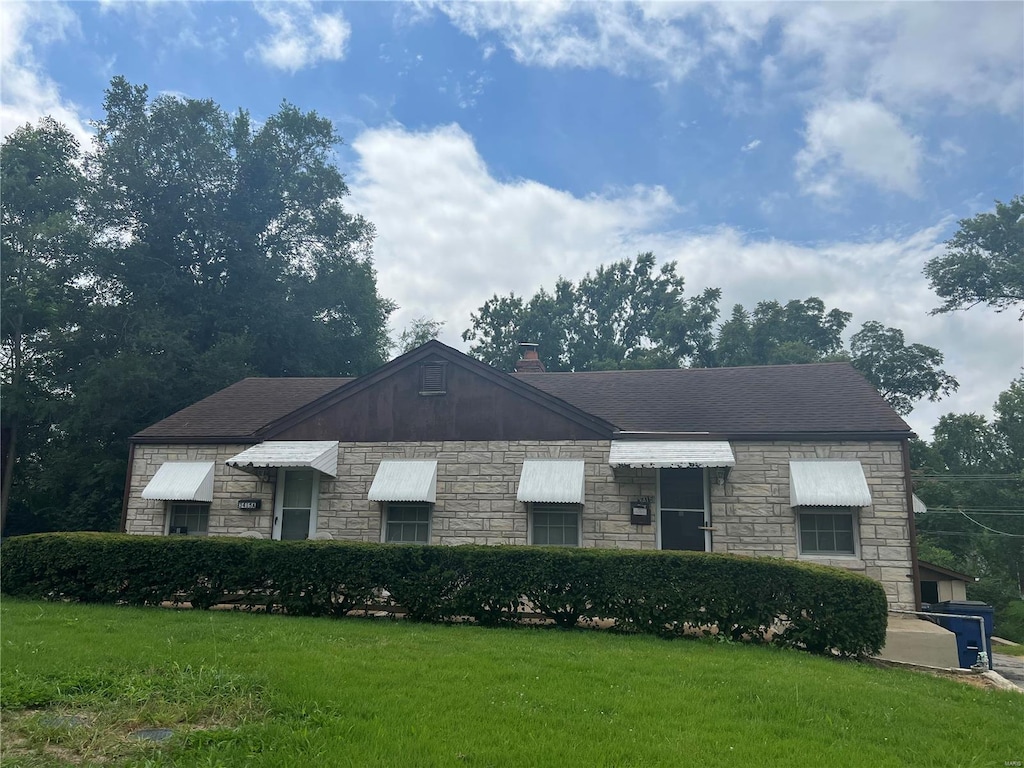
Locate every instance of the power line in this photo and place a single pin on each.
(970, 478)
(950, 533)
(993, 530)
(975, 510)
(929, 473)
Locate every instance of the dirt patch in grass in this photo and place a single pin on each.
(93, 716)
(70, 736)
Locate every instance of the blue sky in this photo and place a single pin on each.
(776, 151)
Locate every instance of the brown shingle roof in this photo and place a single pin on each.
(822, 398)
(241, 410)
(755, 400)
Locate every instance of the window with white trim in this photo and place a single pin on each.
(407, 523)
(556, 525)
(190, 518)
(829, 532)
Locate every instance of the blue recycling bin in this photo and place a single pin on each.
(967, 631)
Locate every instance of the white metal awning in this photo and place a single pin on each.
(558, 481)
(405, 480)
(321, 455)
(827, 483)
(919, 506)
(181, 481)
(671, 453)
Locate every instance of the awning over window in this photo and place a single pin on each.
(321, 455)
(671, 453)
(825, 483)
(405, 480)
(181, 481)
(919, 506)
(552, 481)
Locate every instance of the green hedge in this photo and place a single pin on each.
(820, 609)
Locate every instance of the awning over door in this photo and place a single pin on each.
(558, 481)
(181, 481)
(405, 480)
(671, 453)
(825, 483)
(321, 455)
(919, 506)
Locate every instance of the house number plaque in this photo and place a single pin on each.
(250, 504)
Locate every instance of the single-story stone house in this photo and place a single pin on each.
(804, 462)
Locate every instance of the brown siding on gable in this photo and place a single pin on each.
(473, 408)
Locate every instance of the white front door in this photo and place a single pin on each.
(295, 503)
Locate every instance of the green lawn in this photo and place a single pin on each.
(267, 690)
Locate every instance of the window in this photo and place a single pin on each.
(407, 523)
(190, 518)
(432, 378)
(556, 524)
(827, 533)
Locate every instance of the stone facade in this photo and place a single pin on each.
(476, 498)
(751, 514)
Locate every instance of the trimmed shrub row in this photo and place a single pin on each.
(820, 609)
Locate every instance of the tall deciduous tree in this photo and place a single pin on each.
(44, 268)
(802, 331)
(420, 331)
(628, 314)
(223, 250)
(902, 373)
(984, 261)
(775, 334)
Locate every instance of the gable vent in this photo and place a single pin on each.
(432, 378)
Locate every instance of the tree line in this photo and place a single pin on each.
(631, 315)
(188, 247)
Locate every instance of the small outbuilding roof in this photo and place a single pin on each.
(948, 573)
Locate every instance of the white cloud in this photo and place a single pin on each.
(954, 55)
(27, 93)
(860, 139)
(301, 37)
(750, 146)
(611, 36)
(450, 235)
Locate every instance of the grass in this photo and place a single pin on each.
(242, 689)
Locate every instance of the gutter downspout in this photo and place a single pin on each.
(911, 525)
(127, 488)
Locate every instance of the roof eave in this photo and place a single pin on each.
(828, 435)
(194, 440)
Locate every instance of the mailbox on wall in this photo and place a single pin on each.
(640, 511)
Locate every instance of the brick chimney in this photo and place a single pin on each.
(530, 360)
